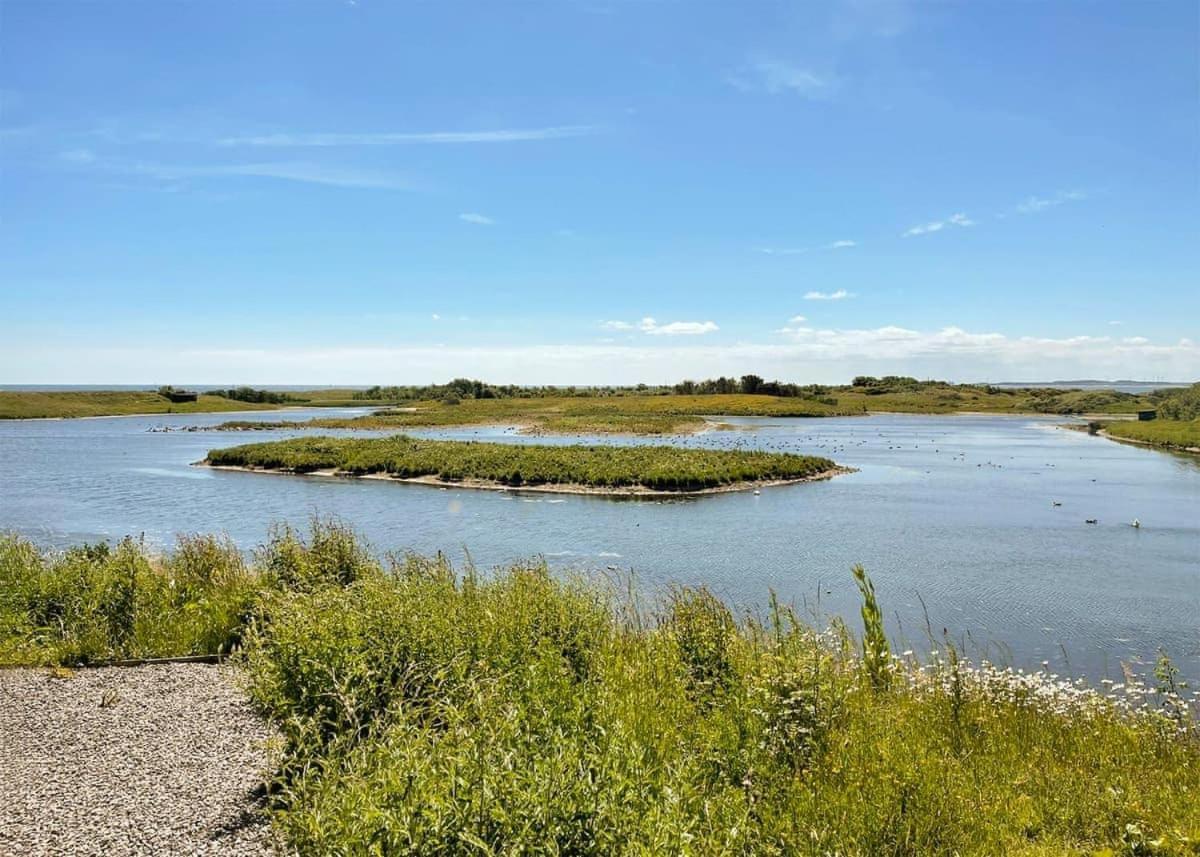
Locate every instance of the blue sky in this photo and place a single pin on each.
(596, 192)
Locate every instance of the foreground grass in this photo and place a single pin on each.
(431, 711)
(676, 413)
(102, 603)
(1173, 434)
(35, 405)
(660, 468)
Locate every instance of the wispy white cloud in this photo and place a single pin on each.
(650, 326)
(797, 319)
(1034, 204)
(296, 171)
(1116, 323)
(511, 135)
(958, 219)
(839, 295)
(776, 76)
(796, 251)
(476, 218)
(781, 251)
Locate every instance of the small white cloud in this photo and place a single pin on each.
(1034, 204)
(958, 219)
(797, 319)
(677, 328)
(436, 317)
(1116, 323)
(839, 295)
(651, 327)
(839, 245)
(478, 219)
(784, 251)
(1135, 340)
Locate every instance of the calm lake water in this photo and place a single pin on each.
(954, 511)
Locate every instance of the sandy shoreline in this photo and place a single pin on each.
(558, 488)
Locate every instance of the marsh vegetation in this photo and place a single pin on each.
(428, 709)
(676, 410)
(657, 468)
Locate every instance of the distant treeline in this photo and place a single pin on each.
(467, 388)
(249, 394)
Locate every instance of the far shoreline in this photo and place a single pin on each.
(633, 491)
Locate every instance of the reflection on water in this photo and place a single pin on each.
(956, 512)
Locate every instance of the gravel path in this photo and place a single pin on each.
(156, 759)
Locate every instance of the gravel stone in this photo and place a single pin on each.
(164, 759)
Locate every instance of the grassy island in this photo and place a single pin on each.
(1177, 426)
(427, 710)
(607, 469)
(1182, 435)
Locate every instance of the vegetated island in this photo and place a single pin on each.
(576, 469)
(1176, 426)
(1177, 435)
(424, 707)
(688, 407)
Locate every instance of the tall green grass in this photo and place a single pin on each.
(101, 603)
(429, 710)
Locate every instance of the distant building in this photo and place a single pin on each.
(1146, 416)
(181, 395)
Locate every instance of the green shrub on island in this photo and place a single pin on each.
(660, 468)
(426, 709)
